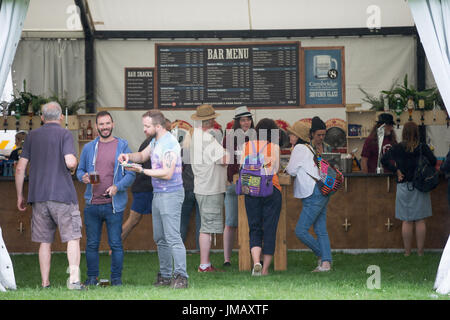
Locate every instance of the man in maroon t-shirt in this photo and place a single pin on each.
(106, 198)
(369, 154)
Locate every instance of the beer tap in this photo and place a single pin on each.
(434, 111)
(410, 105)
(5, 107)
(422, 110)
(386, 104)
(17, 115)
(67, 119)
(30, 114)
(398, 112)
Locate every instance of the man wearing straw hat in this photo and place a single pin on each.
(208, 160)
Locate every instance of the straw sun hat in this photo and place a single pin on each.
(300, 129)
(204, 112)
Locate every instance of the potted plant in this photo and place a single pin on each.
(403, 92)
(72, 107)
(377, 103)
(24, 100)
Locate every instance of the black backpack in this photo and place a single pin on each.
(426, 177)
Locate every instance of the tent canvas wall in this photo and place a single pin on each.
(373, 61)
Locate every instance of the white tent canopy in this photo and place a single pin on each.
(53, 36)
(51, 15)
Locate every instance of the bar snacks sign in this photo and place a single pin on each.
(139, 88)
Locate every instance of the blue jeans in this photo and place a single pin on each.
(314, 213)
(188, 204)
(166, 216)
(263, 214)
(94, 216)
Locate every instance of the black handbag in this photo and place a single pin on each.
(426, 177)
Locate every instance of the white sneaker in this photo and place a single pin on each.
(321, 269)
(257, 269)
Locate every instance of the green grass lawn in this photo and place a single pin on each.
(402, 278)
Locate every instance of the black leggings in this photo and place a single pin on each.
(263, 214)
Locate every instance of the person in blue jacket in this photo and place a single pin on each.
(105, 197)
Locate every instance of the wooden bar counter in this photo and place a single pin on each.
(16, 225)
(360, 216)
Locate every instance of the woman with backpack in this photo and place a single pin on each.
(411, 205)
(263, 209)
(303, 167)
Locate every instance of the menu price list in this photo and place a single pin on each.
(228, 75)
(139, 88)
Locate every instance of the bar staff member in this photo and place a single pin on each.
(317, 133)
(369, 154)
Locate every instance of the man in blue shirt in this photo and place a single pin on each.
(106, 199)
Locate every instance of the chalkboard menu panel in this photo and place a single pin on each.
(252, 74)
(139, 88)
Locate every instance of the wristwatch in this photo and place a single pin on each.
(142, 170)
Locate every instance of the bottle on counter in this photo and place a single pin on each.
(356, 164)
(89, 131)
(82, 132)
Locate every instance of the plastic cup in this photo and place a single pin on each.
(94, 177)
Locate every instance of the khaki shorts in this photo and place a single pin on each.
(51, 214)
(211, 212)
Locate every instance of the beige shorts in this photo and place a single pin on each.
(211, 212)
(49, 215)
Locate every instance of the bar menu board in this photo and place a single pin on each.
(139, 88)
(252, 74)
